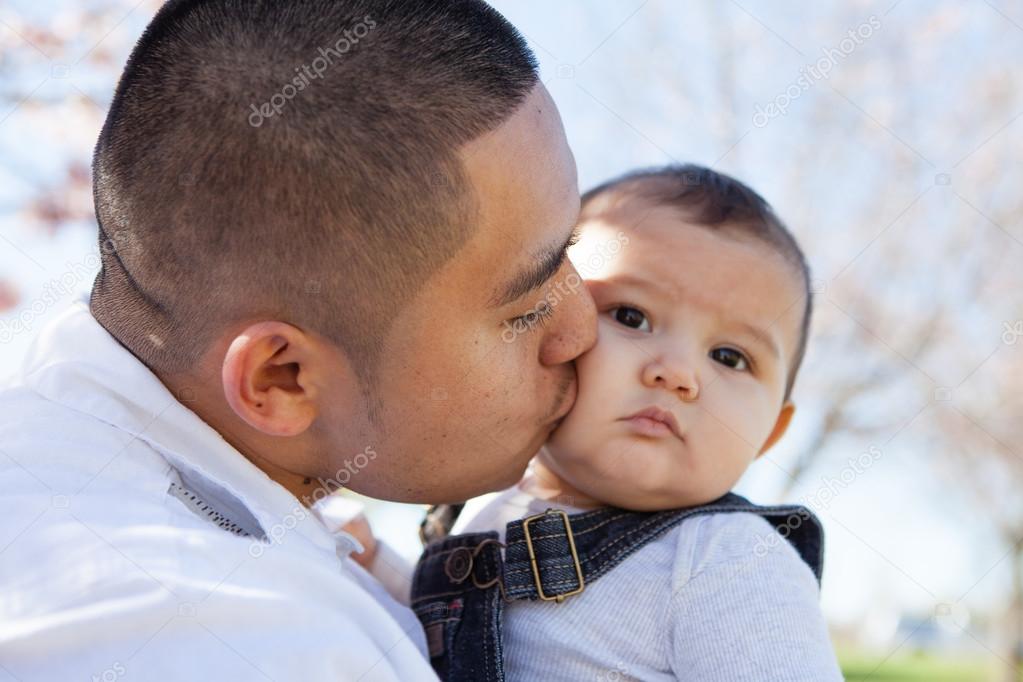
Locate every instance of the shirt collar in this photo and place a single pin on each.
(77, 363)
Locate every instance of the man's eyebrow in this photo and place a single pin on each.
(536, 275)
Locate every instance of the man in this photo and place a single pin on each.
(331, 232)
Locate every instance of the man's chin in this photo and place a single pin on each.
(458, 487)
(501, 481)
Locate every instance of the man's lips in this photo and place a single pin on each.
(653, 421)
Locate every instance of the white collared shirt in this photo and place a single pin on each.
(136, 542)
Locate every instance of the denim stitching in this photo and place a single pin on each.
(610, 562)
(436, 595)
(575, 533)
(602, 568)
(491, 628)
(653, 525)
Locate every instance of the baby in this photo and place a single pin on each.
(634, 561)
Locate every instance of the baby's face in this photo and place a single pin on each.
(697, 332)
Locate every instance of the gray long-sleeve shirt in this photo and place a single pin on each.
(719, 597)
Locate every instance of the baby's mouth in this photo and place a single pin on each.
(654, 421)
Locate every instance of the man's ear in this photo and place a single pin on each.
(268, 378)
(780, 426)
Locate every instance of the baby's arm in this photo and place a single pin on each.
(339, 513)
(745, 607)
(382, 561)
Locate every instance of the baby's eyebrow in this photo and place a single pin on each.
(761, 336)
(627, 279)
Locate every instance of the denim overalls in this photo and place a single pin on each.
(462, 582)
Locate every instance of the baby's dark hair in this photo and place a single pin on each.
(718, 202)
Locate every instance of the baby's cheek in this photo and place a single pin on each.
(609, 361)
(734, 425)
(594, 357)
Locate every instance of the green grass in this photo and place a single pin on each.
(914, 668)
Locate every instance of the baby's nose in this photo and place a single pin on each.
(673, 377)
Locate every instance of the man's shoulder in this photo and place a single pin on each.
(118, 534)
(50, 448)
(73, 485)
(152, 581)
(26, 414)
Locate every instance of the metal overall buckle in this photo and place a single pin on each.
(535, 566)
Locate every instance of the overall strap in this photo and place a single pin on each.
(457, 596)
(554, 555)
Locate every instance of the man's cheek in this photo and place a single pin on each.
(453, 369)
(511, 363)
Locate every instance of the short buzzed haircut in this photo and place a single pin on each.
(718, 202)
(294, 160)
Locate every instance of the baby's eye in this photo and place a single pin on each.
(631, 317)
(730, 357)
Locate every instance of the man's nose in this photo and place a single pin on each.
(574, 328)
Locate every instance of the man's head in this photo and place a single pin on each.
(313, 206)
(703, 305)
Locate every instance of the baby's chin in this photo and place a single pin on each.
(639, 500)
(639, 485)
(585, 485)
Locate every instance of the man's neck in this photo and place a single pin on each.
(218, 415)
(306, 489)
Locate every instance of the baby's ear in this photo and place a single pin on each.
(780, 426)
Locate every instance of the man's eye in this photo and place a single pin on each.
(731, 358)
(631, 317)
(535, 318)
